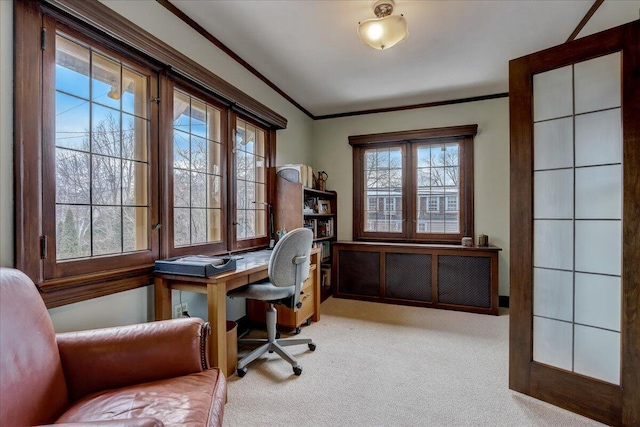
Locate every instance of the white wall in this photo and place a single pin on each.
(293, 146)
(333, 154)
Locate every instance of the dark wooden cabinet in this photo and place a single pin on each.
(297, 206)
(438, 276)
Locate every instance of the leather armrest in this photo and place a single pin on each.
(102, 359)
(132, 422)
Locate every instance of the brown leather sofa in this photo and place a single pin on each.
(151, 374)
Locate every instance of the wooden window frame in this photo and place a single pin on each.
(34, 26)
(464, 135)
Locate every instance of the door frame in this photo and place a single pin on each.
(604, 402)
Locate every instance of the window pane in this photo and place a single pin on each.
(106, 180)
(106, 84)
(438, 189)
(73, 232)
(198, 190)
(107, 230)
(181, 188)
(198, 154)
(72, 68)
(213, 164)
(105, 131)
(198, 118)
(241, 228)
(213, 124)
(383, 173)
(213, 191)
(134, 137)
(181, 227)
(72, 122)
(198, 226)
(181, 150)
(214, 220)
(72, 176)
(181, 111)
(134, 229)
(134, 183)
(134, 93)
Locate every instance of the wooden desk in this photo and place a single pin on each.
(251, 268)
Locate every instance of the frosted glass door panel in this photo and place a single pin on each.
(577, 217)
(597, 83)
(599, 192)
(553, 144)
(597, 353)
(599, 138)
(552, 342)
(553, 244)
(598, 301)
(599, 247)
(553, 194)
(552, 94)
(553, 294)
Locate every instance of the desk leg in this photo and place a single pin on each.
(217, 312)
(162, 299)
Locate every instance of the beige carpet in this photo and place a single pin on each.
(387, 365)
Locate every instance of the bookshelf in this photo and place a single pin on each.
(298, 206)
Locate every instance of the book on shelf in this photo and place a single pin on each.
(325, 227)
(312, 224)
(326, 250)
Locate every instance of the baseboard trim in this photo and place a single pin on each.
(503, 301)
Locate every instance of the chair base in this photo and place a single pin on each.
(271, 344)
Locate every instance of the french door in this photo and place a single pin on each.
(575, 225)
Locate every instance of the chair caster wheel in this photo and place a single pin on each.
(297, 370)
(298, 330)
(312, 346)
(242, 372)
(308, 322)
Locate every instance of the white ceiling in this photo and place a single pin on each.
(456, 49)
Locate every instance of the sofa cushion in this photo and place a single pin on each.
(192, 400)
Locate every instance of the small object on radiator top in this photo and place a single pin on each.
(483, 240)
(467, 241)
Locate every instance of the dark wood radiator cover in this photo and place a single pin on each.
(438, 276)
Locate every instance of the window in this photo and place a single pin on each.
(250, 182)
(97, 202)
(197, 171)
(414, 186)
(124, 158)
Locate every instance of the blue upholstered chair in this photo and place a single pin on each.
(288, 268)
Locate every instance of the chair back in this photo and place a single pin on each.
(33, 390)
(290, 260)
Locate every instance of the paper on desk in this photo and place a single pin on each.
(200, 260)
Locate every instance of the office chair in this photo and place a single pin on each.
(288, 268)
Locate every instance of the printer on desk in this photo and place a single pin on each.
(195, 265)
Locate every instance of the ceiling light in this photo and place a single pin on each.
(385, 30)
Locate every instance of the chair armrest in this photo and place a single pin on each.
(102, 359)
(131, 422)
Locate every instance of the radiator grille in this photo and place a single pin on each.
(464, 280)
(408, 276)
(359, 273)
